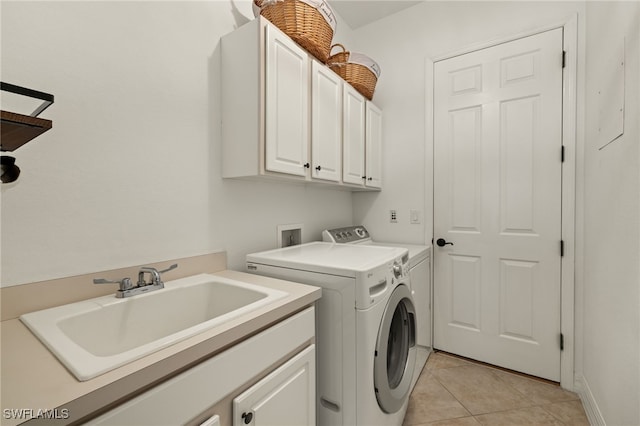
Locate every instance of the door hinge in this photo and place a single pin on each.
(561, 248)
(561, 341)
(562, 154)
(564, 58)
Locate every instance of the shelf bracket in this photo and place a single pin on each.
(19, 90)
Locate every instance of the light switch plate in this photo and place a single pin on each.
(415, 217)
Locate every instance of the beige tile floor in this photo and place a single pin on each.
(456, 392)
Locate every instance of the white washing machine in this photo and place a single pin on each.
(420, 278)
(365, 327)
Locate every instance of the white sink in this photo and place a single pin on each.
(97, 335)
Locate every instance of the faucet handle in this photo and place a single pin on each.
(125, 283)
(174, 266)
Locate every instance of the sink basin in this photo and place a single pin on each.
(94, 336)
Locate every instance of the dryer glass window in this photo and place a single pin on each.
(398, 345)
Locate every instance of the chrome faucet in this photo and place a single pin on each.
(155, 276)
(127, 289)
(156, 279)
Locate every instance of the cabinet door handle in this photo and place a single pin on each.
(364, 177)
(247, 417)
(369, 178)
(307, 165)
(318, 168)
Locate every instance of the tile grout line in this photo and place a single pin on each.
(530, 401)
(504, 383)
(451, 393)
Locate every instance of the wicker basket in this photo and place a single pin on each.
(361, 77)
(305, 24)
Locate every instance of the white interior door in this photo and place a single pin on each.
(497, 199)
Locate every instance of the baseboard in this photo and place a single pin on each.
(589, 402)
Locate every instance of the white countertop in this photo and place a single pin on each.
(33, 378)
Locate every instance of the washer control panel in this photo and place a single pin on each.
(349, 234)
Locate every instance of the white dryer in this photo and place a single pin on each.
(365, 327)
(420, 278)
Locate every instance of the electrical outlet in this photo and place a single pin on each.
(393, 216)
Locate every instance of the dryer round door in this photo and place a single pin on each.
(395, 354)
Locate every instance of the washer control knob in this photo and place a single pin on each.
(397, 270)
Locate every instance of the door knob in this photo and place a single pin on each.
(441, 242)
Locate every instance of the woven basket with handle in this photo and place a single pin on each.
(302, 22)
(359, 76)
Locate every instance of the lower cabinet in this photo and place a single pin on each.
(284, 397)
(267, 379)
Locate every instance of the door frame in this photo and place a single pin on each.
(569, 138)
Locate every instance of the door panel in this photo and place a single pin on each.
(373, 138)
(353, 135)
(497, 198)
(326, 124)
(466, 136)
(287, 105)
(465, 286)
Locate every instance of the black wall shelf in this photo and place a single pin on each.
(18, 129)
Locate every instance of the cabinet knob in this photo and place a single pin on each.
(247, 417)
(369, 178)
(318, 168)
(364, 177)
(307, 165)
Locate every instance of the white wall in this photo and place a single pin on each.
(611, 314)
(401, 43)
(130, 172)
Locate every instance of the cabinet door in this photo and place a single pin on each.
(353, 137)
(286, 105)
(373, 137)
(326, 123)
(285, 397)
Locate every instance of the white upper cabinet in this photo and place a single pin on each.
(362, 141)
(326, 123)
(286, 105)
(373, 137)
(353, 137)
(287, 116)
